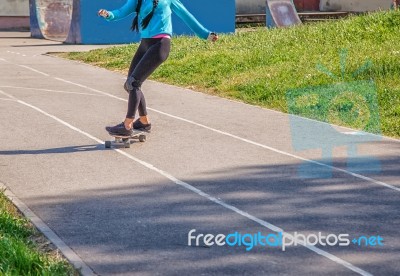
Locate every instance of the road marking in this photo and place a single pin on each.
(53, 91)
(2, 99)
(26, 67)
(11, 97)
(72, 257)
(34, 70)
(354, 133)
(92, 89)
(356, 175)
(198, 191)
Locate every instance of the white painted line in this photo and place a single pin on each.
(369, 179)
(2, 99)
(72, 257)
(355, 133)
(201, 193)
(34, 70)
(53, 91)
(26, 67)
(91, 89)
(11, 97)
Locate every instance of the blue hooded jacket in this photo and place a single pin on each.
(161, 22)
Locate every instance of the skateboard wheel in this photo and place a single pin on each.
(107, 144)
(125, 140)
(127, 145)
(142, 138)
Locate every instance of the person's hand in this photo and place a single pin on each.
(212, 37)
(103, 13)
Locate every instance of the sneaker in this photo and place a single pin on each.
(119, 130)
(139, 125)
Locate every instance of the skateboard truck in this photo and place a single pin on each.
(124, 141)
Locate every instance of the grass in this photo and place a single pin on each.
(260, 66)
(22, 248)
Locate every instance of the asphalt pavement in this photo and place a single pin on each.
(204, 166)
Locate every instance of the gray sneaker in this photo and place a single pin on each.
(140, 126)
(119, 130)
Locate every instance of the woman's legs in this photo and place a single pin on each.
(156, 53)
(151, 53)
(141, 51)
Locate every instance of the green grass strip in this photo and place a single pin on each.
(261, 66)
(19, 255)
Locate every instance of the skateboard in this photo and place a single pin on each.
(125, 141)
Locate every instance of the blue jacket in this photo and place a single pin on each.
(161, 22)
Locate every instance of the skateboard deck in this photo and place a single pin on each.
(125, 141)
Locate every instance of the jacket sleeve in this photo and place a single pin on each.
(124, 11)
(179, 9)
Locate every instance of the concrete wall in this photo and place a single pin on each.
(14, 8)
(354, 5)
(14, 14)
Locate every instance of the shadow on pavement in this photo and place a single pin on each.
(144, 228)
(71, 149)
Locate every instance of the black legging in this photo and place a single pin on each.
(150, 54)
